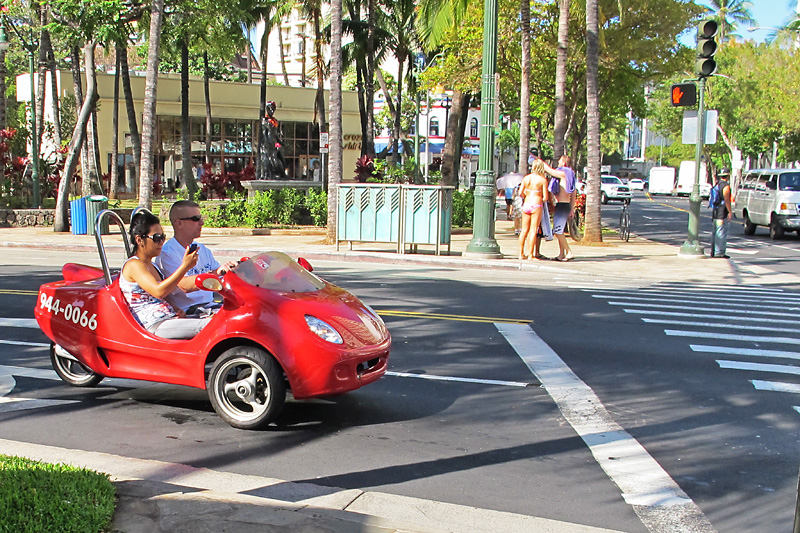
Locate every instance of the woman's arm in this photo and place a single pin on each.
(137, 272)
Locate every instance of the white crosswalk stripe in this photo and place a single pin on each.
(739, 323)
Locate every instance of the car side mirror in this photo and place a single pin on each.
(303, 262)
(208, 282)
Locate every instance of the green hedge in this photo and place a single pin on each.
(282, 207)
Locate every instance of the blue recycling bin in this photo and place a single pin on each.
(77, 216)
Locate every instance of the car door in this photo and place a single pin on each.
(743, 195)
(759, 202)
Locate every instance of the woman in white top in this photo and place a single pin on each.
(145, 287)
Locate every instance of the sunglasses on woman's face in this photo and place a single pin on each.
(158, 238)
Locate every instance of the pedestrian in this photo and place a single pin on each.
(565, 194)
(187, 224)
(533, 191)
(721, 215)
(516, 210)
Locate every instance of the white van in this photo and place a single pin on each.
(769, 197)
(662, 180)
(686, 179)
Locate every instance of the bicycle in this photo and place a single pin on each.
(625, 223)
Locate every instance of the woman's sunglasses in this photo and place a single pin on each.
(158, 238)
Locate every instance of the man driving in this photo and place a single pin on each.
(187, 224)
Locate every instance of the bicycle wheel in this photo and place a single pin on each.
(625, 225)
(575, 225)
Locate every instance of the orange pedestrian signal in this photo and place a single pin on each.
(683, 94)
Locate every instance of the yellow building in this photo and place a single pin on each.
(235, 122)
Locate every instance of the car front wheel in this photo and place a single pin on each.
(604, 198)
(70, 370)
(246, 387)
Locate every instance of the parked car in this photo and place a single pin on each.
(612, 188)
(769, 197)
(636, 184)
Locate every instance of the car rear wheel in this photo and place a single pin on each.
(749, 227)
(246, 387)
(70, 370)
(775, 229)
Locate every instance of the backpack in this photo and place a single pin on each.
(715, 197)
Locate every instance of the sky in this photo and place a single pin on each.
(768, 14)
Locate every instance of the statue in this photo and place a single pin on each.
(273, 166)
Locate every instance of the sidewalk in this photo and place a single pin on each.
(639, 261)
(155, 497)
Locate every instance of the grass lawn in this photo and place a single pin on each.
(42, 497)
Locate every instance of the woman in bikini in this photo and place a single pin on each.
(533, 191)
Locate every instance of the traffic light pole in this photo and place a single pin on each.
(692, 248)
(483, 243)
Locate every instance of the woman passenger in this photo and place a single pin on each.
(145, 287)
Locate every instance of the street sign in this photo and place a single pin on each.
(689, 133)
(323, 142)
(683, 94)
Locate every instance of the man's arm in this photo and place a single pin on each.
(560, 174)
(726, 195)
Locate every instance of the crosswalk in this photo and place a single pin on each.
(749, 328)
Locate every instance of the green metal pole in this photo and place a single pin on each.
(418, 170)
(692, 246)
(37, 200)
(483, 243)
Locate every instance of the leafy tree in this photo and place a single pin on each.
(730, 14)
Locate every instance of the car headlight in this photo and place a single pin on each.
(323, 330)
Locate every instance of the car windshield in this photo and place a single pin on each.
(790, 181)
(277, 271)
(612, 179)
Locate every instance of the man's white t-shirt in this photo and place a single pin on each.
(171, 258)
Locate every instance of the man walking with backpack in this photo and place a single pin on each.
(720, 202)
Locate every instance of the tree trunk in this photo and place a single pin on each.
(560, 119)
(283, 61)
(261, 153)
(369, 82)
(335, 138)
(54, 100)
(525, 89)
(451, 141)
(61, 222)
(394, 158)
(95, 165)
(149, 117)
(319, 107)
(114, 166)
(466, 98)
(186, 125)
(77, 89)
(133, 124)
(593, 227)
(41, 82)
(207, 95)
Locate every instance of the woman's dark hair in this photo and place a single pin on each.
(140, 226)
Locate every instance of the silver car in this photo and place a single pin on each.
(612, 188)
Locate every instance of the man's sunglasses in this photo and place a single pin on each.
(158, 238)
(194, 218)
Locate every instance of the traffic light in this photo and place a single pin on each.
(683, 94)
(706, 48)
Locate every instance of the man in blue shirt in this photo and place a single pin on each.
(565, 203)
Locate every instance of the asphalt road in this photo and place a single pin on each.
(684, 370)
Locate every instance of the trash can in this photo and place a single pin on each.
(95, 204)
(77, 216)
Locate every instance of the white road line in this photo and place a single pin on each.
(776, 386)
(711, 288)
(730, 336)
(22, 343)
(699, 297)
(7, 384)
(462, 380)
(660, 503)
(759, 367)
(19, 323)
(748, 352)
(749, 305)
(718, 325)
(738, 251)
(697, 308)
(734, 318)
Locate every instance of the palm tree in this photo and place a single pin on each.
(335, 138)
(560, 119)
(730, 14)
(593, 230)
(149, 113)
(525, 88)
